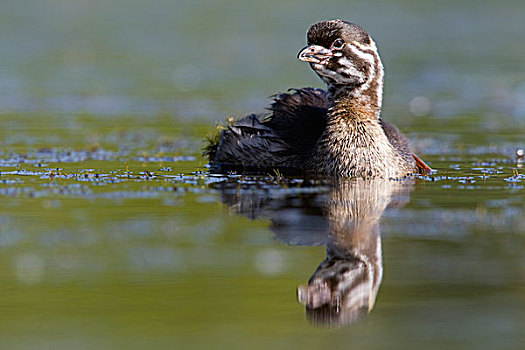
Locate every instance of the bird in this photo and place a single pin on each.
(338, 131)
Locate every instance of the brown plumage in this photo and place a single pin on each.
(337, 131)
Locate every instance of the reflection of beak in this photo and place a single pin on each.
(315, 294)
(315, 54)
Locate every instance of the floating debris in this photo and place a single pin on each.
(119, 172)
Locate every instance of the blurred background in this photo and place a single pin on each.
(96, 253)
(207, 59)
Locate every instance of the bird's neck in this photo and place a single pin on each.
(366, 97)
(345, 100)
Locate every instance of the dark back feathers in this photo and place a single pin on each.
(299, 117)
(279, 140)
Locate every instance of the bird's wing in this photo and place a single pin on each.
(280, 139)
(248, 142)
(400, 142)
(299, 117)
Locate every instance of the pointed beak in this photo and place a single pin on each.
(315, 54)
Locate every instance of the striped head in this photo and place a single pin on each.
(346, 58)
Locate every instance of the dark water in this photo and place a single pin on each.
(114, 235)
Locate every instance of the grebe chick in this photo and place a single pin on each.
(338, 131)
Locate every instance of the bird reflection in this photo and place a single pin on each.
(345, 216)
(344, 287)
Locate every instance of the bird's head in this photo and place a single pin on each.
(344, 56)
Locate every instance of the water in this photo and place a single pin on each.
(113, 234)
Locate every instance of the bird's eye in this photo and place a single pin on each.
(338, 43)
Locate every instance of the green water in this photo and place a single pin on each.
(113, 234)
